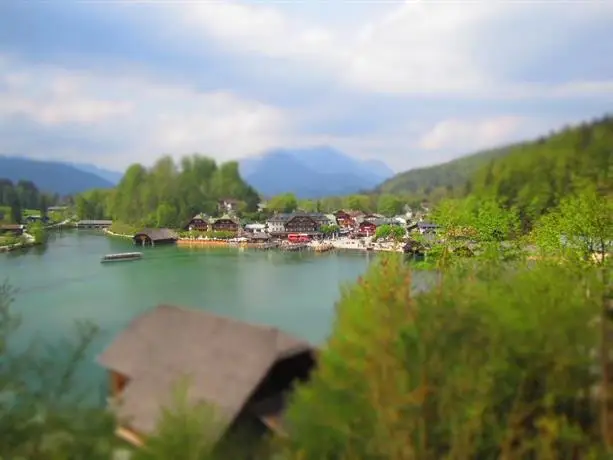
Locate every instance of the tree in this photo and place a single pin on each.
(383, 231)
(44, 204)
(389, 205)
(15, 205)
(285, 202)
(182, 430)
(145, 196)
(41, 414)
(37, 230)
(482, 223)
(581, 227)
(167, 216)
(308, 205)
(472, 369)
(580, 231)
(329, 230)
(358, 203)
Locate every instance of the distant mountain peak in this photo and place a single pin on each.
(312, 172)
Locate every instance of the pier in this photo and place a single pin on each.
(98, 224)
(292, 247)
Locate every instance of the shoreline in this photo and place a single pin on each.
(336, 245)
(206, 243)
(119, 235)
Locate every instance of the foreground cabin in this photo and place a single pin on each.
(244, 372)
(155, 236)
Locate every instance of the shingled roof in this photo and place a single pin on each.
(159, 234)
(224, 358)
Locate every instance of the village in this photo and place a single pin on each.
(293, 231)
(343, 229)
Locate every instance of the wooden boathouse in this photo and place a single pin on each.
(243, 371)
(155, 236)
(12, 229)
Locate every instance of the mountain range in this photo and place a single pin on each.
(51, 176)
(312, 172)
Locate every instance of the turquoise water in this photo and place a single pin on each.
(65, 282)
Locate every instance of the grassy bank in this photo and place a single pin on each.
(120, 228)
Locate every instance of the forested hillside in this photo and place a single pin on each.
(532, 175)
(536, 175)
(439, 179)
(17, 197)
(167, 194)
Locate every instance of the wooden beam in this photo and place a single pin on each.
(274, 423)
(129, 436)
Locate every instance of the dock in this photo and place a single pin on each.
(293, 247)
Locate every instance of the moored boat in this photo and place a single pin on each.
(122, 256)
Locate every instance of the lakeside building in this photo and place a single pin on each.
(203, 223)
(281, 225)
(155, 236)
(12, 229)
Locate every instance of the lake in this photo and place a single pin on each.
(64, 282)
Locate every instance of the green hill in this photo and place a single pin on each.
(439, 179)
(534, 176)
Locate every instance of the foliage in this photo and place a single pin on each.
(23, 195)
(9, 240)
(37, 230)
(394, 232)
(475, 226)
(362, 203)
(439, 180)
(212, 235)
(390, 205)
(536, 176)
(532, 176)
(121, 228)
(329, 230)
(581, 227)
(470, 369)
(94, 204)
(182, 430)
(284, 203)
(41, 413)
(167, 194)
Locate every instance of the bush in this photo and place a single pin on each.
(41, 415)
(491, 363)
(37, 230)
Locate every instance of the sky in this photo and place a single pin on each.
(410, 83)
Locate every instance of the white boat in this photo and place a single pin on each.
(122, 256)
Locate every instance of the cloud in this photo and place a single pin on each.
(409, 82)
(59, 100)
(147, 117)
(475, 134)
(417, 47)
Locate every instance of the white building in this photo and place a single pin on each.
(256, 228)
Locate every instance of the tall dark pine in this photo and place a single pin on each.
(15, 204)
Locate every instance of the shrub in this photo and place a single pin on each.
(491, 363)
